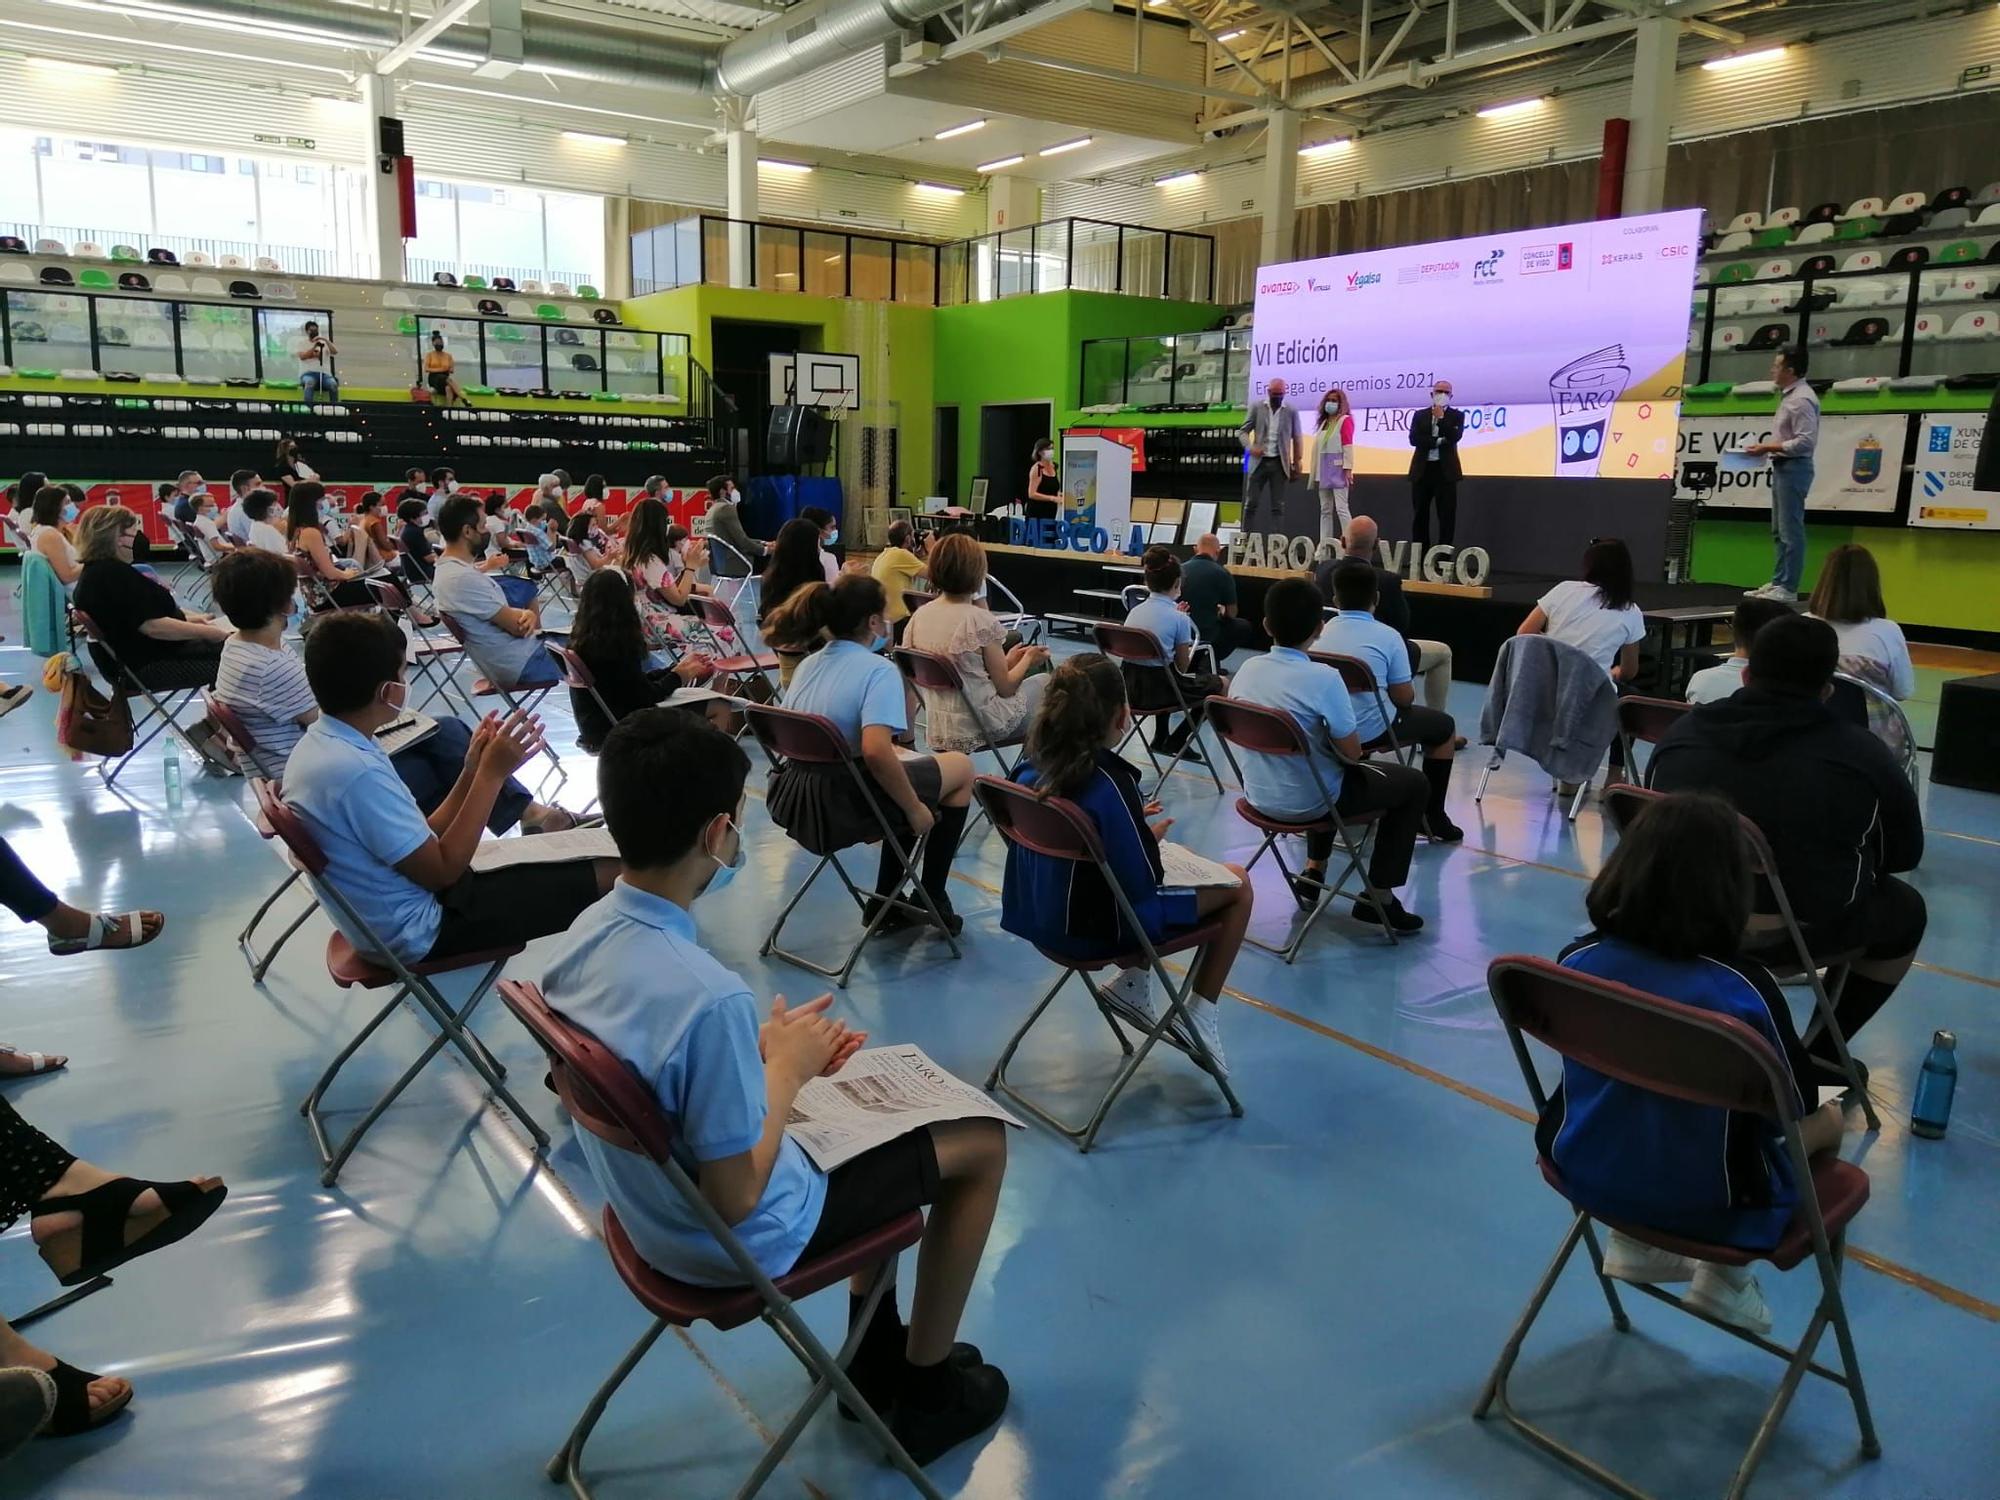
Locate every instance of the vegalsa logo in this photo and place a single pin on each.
(1356, 280)
(1488, 267)
(1277, 288)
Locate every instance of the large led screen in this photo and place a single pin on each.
(1564, 347)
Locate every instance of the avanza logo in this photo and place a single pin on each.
(1488, 268)
(1356, 280)
(1277, 288)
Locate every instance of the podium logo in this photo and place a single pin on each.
(1487, 268)
(1356, 280)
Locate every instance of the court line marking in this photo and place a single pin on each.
(1943, 1291)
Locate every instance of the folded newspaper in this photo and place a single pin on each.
(545, 848)
(882, 1093)
(1183, 867)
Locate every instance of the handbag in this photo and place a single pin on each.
(87, 722)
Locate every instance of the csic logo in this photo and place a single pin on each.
(1277, 288)
(1488, 268)
(1356, 280)
(1540, 260)
(1676, 251)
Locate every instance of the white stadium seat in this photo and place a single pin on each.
(1863, 260)
(1771, 270)
(462, 306)
(557, 289)
(1783, 218)
(168, 281)
(1725, 245)
(16, 274)
(1974, 325)
(233, 263)
(51, 247)
(397, 297)
(1928, 326)
(206, 286)
(1813, 234)
(265, 263)
(1863, 208)
(1907, 203)
(197, 258)
(87, 250)
(1745, 223)
(1988, 217)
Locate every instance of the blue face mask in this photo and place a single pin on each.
(724, 873)
(832, 538)
(69, 512)
(878, 644)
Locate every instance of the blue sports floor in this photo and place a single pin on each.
(1302, 1302)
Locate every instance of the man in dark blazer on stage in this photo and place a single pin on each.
(1271, 438)
(1434, 471)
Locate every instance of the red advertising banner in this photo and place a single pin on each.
(1132, 437)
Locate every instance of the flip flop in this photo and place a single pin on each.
(107, 1207)
(73, 1414)
(27, 1401)
(38, 1062)
(102, 926)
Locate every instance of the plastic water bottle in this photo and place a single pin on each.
(173, 776)
(1936, 1082)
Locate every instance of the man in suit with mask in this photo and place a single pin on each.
(1271, 438)
(1434, 471)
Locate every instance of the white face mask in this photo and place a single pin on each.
(1440, 399)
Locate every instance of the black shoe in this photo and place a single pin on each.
(1396, 920)
(928, 1434)
(895, 921)
(953, 922)
(1441, 830)
(1191, 756)
(878, 1386)
(1307, 887)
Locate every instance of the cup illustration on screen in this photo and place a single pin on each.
(1583, 392)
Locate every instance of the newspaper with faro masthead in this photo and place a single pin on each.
(882, 1093)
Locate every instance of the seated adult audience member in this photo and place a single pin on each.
(372, 547)
(1357, 633)
(795, 562)
(414, 541)
(163, 646)
(1848, 597)
(741, 553)
(261, 506)
(1719, 681)
(186, 488)
(656, 555)
(1595, 614)
(1841, 819)
(504, 640)
(1068, 909)
(1209, 591)
(308, 538)
(291, 467)
(861, 692)
(1285, 787)
(266, 685)
(411, 879)
(1430, 660)
(315, 354)
(1002, 686)
(1667, 915)
(725, 1068)
(1146, 684)
(828, 528)
(52, 514)
(606, 634)
(237, 521)
(441, 372)
(898, 567)
(71, 930)
(440, 485)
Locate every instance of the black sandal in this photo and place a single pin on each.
(73, 1414)
(106, 1210)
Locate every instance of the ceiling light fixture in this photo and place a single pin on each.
(1002, 164)
(592, 138)
(772, 164)
(1057, 150)
(1742, 59)
(957, 130)
(1230, 36)
(1177, 179)
(1517, 107)
(1328, 148)
(66, 65)
(939, 187)
(194, 15)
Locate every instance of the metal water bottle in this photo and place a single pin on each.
(172, 768)
(1936, 1082)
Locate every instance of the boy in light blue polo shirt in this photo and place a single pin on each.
(1357, 633)
(1283, 787)
(1146, 686)
(632, 971)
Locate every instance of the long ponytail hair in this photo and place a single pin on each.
(840, 609)
(1084, 697)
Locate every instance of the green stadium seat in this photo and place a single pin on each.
(275, 383)
(1739, 271)
(1711, 388)
(407, 323)
(473, 283)
(1858, 229)
(1958, 252)
(127, 254)
(606, 396)
(1775, 238)
(549, 312)
(479, 390)
(507, 333)
(94, 278)
(588, 293)
(36, 374)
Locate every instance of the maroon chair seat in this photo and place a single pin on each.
(1842, 1189)
(350, 967)
(1359, 681)
(684, 1304)
(1270, 824)
(1179, 942)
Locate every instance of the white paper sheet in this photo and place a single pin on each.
(882, 1093)
(1184, 867)
(544, 849)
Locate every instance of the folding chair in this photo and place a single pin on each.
(606, 1098)
(242, 744)
(1623, 804)
(434, 659)
(1698, 1057)
(1881, 712)
(717, 623)
(197, 551)
(1503, 666)
(743, 583)
(1015, 617)
(379, 969)
(529, 699)
(1359, 681)
(1646, 720)
(1129, 645)
(163, 715)
(811, 740)
(312, 588)
(933, 673)
(1257, 730)
(577, 677)
(1057, 828)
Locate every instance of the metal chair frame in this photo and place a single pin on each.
(1522, 989)
(915, 664)
(604, 1097)
(1003, 800)
(1357, 677)
(1906, 758)
(1283, 724)
(454, 1024)
(529, 699)
(164, 715)
(1154, 657)
(765, 721)
(712, 615)
(1623, 802)
(1644, 720)
(427, 653)
(1500, 753)
(242, 745)
(197, 552)
(1030, 626)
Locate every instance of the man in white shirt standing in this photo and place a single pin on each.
(1794, 436)
(315, 352)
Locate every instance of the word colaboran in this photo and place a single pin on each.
(1440, 564)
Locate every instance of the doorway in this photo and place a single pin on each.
(1007, 436)
(944, 454)
(742, 354)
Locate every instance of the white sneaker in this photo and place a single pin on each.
(1772, 591)
(1627, 1259)
(1729, 1294)
(1201, 1020)
(1134, 988)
